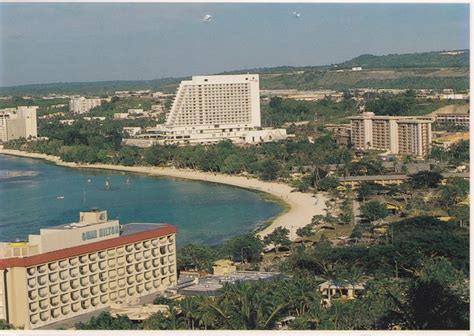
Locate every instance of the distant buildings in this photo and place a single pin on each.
(356, 68)
(457, 115)
(83, 105)
(209, 109)
(77, 268)
(16, 123)
(396, 135)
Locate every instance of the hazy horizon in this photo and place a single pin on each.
(87, 42)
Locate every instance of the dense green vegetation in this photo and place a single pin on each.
(280, 111)
(415, 281)
(405, 104)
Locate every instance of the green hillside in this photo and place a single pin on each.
(438, 59)
(429, 70)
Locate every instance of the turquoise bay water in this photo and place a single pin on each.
(203, 212)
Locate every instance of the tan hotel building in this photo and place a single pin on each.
(77, 268)
(396, 135)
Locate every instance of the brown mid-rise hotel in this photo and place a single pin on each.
(396, 135)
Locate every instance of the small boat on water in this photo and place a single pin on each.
(107, 185)
(128, 181)
(60, 197)
(89, 180)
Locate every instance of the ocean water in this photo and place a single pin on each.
(202, 212)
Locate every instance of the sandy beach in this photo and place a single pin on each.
(302, 206)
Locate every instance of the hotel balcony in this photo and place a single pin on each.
(129, 258)
(155, 252)
(32, 295)
(104, 287)
(44, 316)
(73, 272)
(83, 259)
(111, 253)
(139, 267)
(121, 283)
(65, 298)
(147, 264)
(54, 301)
(74, 283)
(129, 248)
(31, 271)
(94, 279)
(139, 277)
(103, 276)
(53, 277)
(41, 269)
(64, 286)
(34, 318)
(156, 273)
(121, 261)
(84, 293)
(130, 269)
(148, 286)
(111, 263)
(131, 291)
(137, 246)
(93, 268)
(162, 250)
(154, 242)
(65, 310)
(102, 255)
(52, 266)
(85, 304)
(43, 304)
(62, 264)
(156, 262)
(84, 281)
(156, 283)
(138, 256)
(95, 301)
(63, 275)
(130, 280)
(42, 292)
(113, 296)
(146, 254)
(73, 261)
(104, 299)
(148, 275)
(76, 306)
(32, 282)
(55, 313)
(75, 296)
(121, 271)
(54, 289)
(140, 288)
(83, 270)
(113, 285)
(146, 244)
(92, 257)
(120, 250)
(112, 274)
(122, 293)
(34, 306)
(95, 290)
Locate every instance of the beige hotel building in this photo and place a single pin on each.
(83, 105)
(396, 135)
(18, 122)
(209, 109)
(77, 268)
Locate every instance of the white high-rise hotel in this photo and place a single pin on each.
(208, 109)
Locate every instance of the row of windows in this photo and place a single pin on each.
(73, 303)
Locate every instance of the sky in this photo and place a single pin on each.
(81, 42)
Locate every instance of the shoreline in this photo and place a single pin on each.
(298, 208)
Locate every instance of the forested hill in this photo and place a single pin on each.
(430, 70)
(434, 59)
